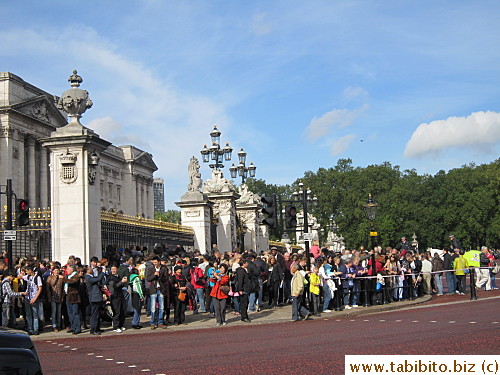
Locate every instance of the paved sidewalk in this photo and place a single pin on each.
(204, 321)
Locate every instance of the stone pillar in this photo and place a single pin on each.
(74, 176)
(44, 178)
(225, 211)
(195, 212)
(32, 173)
(20, 165)
(248, 215)
(6, 149)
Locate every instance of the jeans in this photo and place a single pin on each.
(287, 290)
(200, 299)
(157, 312)
(398, 287)
(438, 280)
(32, 315)
(259, 293)
(450, 280)
(8, 317)
(251, 301)
(327, 296)
(297, 308)
(74, 316)
(136, 305)
(55, 308)
(236, 302)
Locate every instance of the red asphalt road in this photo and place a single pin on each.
(317, 346)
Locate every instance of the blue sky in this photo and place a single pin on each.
(297, 84)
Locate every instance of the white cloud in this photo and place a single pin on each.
(132, 103)
(320, 127)
(480, 128)
(342, 144)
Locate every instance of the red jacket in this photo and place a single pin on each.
(216, 292)
(378, 267)
(201, 282)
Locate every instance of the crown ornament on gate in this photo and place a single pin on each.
(75, 101)
(67, 158)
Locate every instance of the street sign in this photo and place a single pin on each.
(373, 234)
(308, 236)
(9, 235)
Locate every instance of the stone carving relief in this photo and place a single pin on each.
(69, 172)
(39, 111)
(218, 184)
(247, 217)
(195, 182)
(224, 207)
(6, 131)
(93, 163)
(246, 196)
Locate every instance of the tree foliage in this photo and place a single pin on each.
(464, 201)
(170, 216)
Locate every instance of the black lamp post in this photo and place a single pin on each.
(241, 169)
(371, 209)
(305, 197)
(215, 153)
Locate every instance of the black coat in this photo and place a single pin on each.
(242, 281)
(115, 286)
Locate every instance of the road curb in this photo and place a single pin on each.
(266, 316)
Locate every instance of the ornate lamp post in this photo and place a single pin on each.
(242, 170)
(215, 153)
(306, 198)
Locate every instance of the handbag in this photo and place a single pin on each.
(181, 296)
(225, 289)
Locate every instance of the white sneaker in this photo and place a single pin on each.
(355, 306)
(123, 328)
(327, 311)
(118, 330)
(348, 307)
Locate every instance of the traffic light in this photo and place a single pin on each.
(290, 217)
(270, 211)
(22, 212)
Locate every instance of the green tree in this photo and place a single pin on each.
(170, 216)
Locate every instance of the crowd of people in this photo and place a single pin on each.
(164, 284)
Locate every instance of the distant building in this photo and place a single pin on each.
(159, 195)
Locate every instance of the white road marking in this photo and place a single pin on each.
(67, 347)
(494, 322)
(365, 320)
(74, 349)
(414, 321)
(90, 354)
(98, 356)
(433, 321)
(146, 370)
(109, 359)
(120, 363)
(353, 320)
(397, 320)
(132, 366)
(381, 320)
(472, 322)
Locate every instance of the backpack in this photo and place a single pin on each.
(195, 277)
